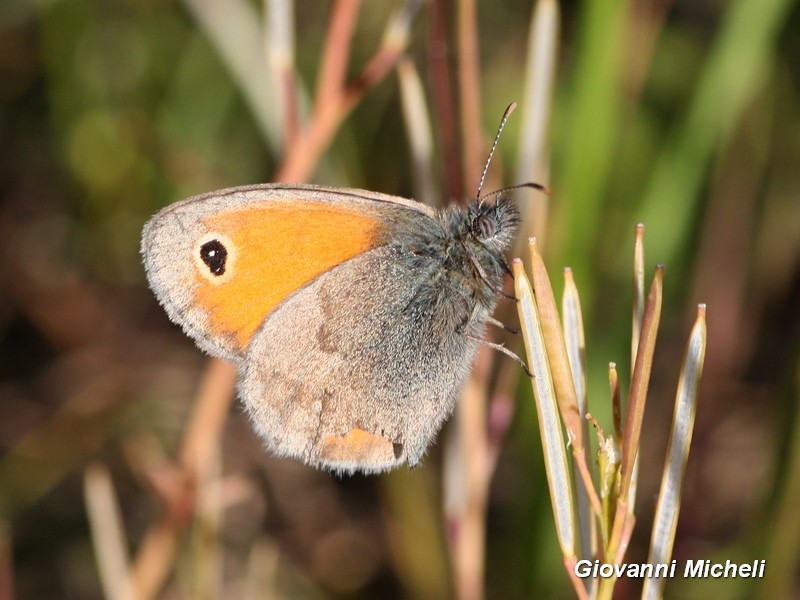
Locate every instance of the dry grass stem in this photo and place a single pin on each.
(233, 28)
(335, 54)
(623, 519)
(560, 370)
(553, 444)
(467, 492)
(577, 583)
(556, 356)
(616, 401)
(533, 160)
(636, 332)
(418, 130)
(201, 441)
(214, 399)
(334, 99)
(638, 292)
(640, 380)
(154, 560)
(472, 142)
(206, 534)
(108, 535)
(665, 522)
(572, 325)
(443, 101)
(280, 49)
(556, 349)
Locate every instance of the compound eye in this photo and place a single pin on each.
(484, 227)
(214, 255)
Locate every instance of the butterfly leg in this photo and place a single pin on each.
(504, 350)
(502, 325)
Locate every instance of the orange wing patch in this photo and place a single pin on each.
(277, 248)
(361, 447)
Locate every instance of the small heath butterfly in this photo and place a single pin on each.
(353, 316)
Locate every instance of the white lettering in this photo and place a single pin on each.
(734, 569)
(694, 568)
(728, 569)
(583, 568)
(606, 570)
(645, 570)
(702, 568)
(661, 570)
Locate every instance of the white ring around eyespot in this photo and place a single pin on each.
(230, 260)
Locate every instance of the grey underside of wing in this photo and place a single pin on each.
(243, 196)
(364, 345)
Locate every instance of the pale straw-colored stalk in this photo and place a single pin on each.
(108, 534)
(624, 520)
(560, 370)
(572, 322)
(552, 358)
(636, 332)
(233, 27)
(278, 38)
(533, 162)
(547, 410)
(418, 130)
(665, 521)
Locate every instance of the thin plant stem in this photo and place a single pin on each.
(418, 130)
(336, 54)
(108, 535)
(443, 102)
(641, 380)
(547, 410)
(214, 399)
(469, 86)
(559, 365)
(665, 521)
(624, 519)
(333, 104)
(233, 28)
(572, 325)
(279, 40)
(533, 161)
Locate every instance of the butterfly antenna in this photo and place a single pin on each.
(506, 114)
(530, 184)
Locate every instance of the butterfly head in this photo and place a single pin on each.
(494, 222)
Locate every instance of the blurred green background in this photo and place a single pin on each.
(683, 115)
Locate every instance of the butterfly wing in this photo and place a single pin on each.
(359, 368)
(219, 263)
(348, 355)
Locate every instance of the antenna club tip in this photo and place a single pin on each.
(538, 186)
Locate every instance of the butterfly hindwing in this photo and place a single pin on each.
(355, 370)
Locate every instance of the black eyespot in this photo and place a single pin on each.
(484, 227)
(398, 449)
(214, 255)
